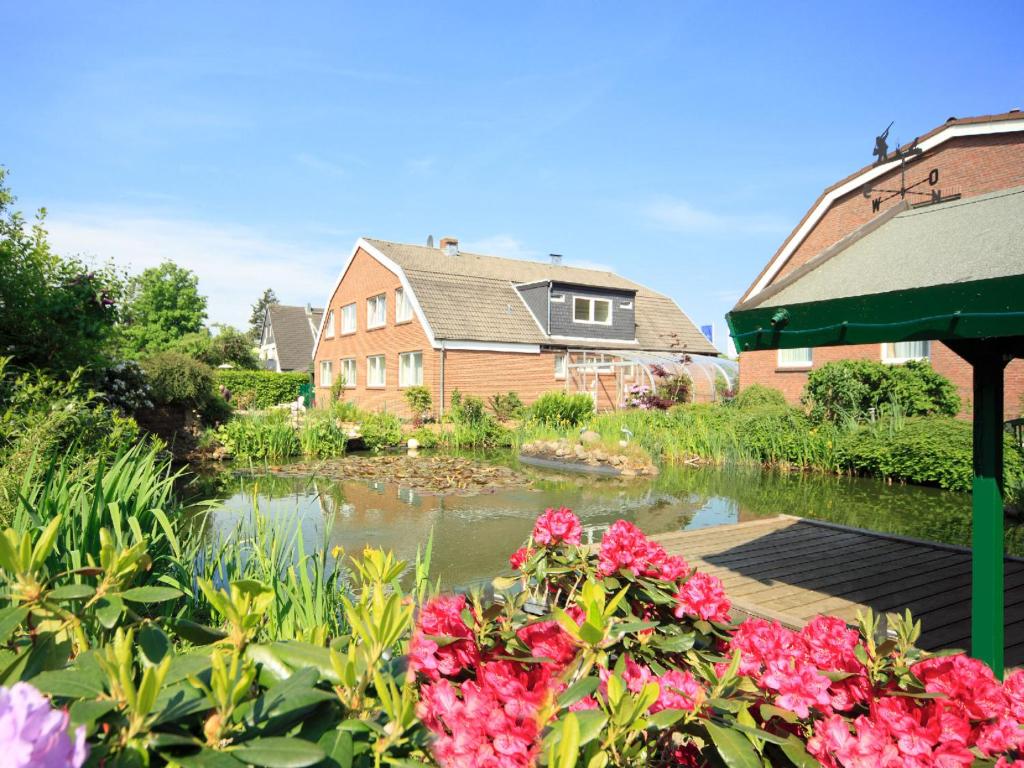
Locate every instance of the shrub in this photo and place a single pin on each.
(675, 389)
(177, 379)
(124, 385)
(216, 410)
(261, 436)
(420, 402)
(927, 451)
(262, 389)
(345, 411)
(561, 409)
(758, 395)
(381, 430)
(427, 438)
(852, 389)
(505, 407)
(320, 436)
(338, 388)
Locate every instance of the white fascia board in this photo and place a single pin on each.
(392, 267)
(952, 132)
(492, 346)
(591, 338)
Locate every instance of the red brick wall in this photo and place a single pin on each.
(971, 166)
(486, 373)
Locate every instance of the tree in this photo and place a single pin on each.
(55, 313)
(164, 304)
(229, 346)
(259, 309)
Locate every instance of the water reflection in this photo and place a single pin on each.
(473, 535)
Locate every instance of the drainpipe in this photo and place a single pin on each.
(440, 412)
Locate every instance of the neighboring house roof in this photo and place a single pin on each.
(472, 297)
(294, 330)
(981, 125)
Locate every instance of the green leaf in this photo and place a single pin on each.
(70, 683)
(154, 643)
(178, 701)
(795, 750)
(337, 746)
(10, 619)
(768, 711)
(72, 592)
(150, 594)
(285, 703)
(591, 722)
(579, 690)
(44, 545)
(666, 718)
(280, 752)
(88, 712)
(272, 669)
(734, 748)
(198, 634)
(187, 665)
(569, 742)
(296, 654)
(205, 758)
(108, 610)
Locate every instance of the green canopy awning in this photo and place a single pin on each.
(952, 272)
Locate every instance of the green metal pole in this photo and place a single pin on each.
(987, 569)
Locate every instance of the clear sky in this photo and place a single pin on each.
(676, 143)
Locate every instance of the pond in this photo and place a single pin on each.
(474, 534)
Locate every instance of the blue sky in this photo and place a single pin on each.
(676, 143)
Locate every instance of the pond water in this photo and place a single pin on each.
(474, 534)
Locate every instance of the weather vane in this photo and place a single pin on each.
(879, 195)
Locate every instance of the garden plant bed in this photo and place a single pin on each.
(585, 458)
(439, 475)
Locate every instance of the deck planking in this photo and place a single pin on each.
(791, 569)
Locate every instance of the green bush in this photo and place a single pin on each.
(927, 451)
(427, 438)
(467, 409)
(216, 410)
(261, 436)
(420, 402)
(381, 430)
(852, 389)
(506, 407)
(561, 409)
(261, 389)
(758, 395)
(177, 379)
(320, 437)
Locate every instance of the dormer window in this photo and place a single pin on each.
(586, 309)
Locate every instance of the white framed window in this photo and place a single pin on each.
(348, 318)
(376, 375)
(329, 325)
(903, 351)
(586, 309)
(410, 369)
(326, 379)
(560, 367)
(558, 298)
(795, 358)
(626, 305)
(348, 372)
(403, 307)
(377, 311)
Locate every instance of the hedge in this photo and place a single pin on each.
(261, 389)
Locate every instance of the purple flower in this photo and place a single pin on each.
(33, 733)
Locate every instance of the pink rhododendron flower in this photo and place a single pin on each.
(702, 595)
(518, 558)
(966, 681)
(624, 547)
(546, 639)
(442, 618)
(1013, 688)
(557, 526)
(35, 735)
(678, 690)
(798, 686)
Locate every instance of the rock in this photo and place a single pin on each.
(628, 472)
(580, 451)
(623, 443)
(616, 460)
(561, 451)
(590, 437)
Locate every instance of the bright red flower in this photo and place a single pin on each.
(557, 526)
(518, 558)
(702, 595)
(678, 690)
(546, 639)
(1013, 688)
(966, 681)
(442, 618)
(623, 547)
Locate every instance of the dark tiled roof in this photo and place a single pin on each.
(293, 335)
(473, 297)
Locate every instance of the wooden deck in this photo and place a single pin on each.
(791, 569)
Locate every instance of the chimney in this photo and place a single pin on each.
(450, 245)
(556, 258)
(430, 241)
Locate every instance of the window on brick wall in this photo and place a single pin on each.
(329, 325)
(348, 372)
(377, 311)
(410, 369)
(795, 358)
(375, 371)
(560, 366)
(403, 307)
(325, 373)
(348, 318)
(904, 351)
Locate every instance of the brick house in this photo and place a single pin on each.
(960, 159)
(404, 315)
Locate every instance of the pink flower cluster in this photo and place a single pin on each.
(483, 711)
(815, 674)
(702, 595)
(624, 547)
(557, 526)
